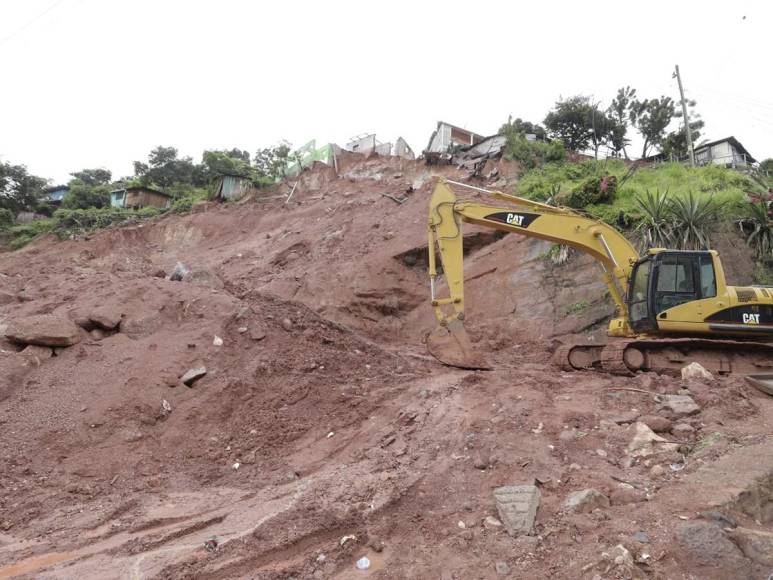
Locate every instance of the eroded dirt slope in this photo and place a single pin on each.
(322, 432)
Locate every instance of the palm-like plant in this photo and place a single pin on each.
(758, 229)
(692, 219)
(655, 229)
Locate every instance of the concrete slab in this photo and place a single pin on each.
(517, 506)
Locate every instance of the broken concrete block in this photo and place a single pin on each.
(193, 375)
(676, 406)
(585, 501)
(696, 371)
(517, 507)
(44, 330)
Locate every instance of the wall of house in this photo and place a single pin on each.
(440, 140)
(145, 199)
(362, 145)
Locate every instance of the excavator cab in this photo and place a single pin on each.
(667, 278)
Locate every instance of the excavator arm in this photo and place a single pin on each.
(615, 254)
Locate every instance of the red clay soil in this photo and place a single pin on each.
(322, 431)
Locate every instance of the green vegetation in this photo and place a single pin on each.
(723, 186)
(577, 307)
(67, 222)
(6, 218)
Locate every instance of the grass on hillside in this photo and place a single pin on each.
(725, 186)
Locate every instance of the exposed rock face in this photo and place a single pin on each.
(709, 553)
(43, 330)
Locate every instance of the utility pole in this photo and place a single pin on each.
(686, 118)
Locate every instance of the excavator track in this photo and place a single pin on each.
(668, 356)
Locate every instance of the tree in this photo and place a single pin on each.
(651, 117)
(618, 114)
(219, 163)
(569, 121)
(674, 144)
(164, 168)
(579, 123)
(93, 177)
(271, 162)
(19, 191)
(766, 167)
(524, 128)
(81, 195)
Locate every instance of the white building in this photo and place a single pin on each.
(728, 152)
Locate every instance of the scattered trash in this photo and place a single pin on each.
(211, 545)
(193, 375)
(217, 341)
(166, 407)
(329, 435)
(179, 272)
(461, 524)
(363, 563)
(538, 430)
(641, 537)
(236, 466)
(321, 558)
(345, 539)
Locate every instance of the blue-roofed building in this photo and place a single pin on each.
(55, 194)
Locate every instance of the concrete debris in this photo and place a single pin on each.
(517, 507)
(166, 408)
(193, 375)
(585, 501)
(217, 341)
(44, 330)
(696, 371)
(676, 406)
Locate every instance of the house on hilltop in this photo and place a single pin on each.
(728, 151)
(136, 197)
(446, 135)
(55, 194)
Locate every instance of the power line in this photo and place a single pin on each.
(30, 23)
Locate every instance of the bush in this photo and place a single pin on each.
(591, 190)
(182, 205)
(531, 154)
(23, 234)
(148, 212)
(6, 218)
(88, 219)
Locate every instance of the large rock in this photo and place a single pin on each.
(105, 318)
(645, 442)
(708, 553)
(657, 423)
(43, 330)
(696, 371)
(193, 375)
(676, 406)
(585, 501)
(756, 545)
(517, 506)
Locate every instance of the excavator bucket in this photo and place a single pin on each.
(451, 346)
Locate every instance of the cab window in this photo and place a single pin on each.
(708, 278)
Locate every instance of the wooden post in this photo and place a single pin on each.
(688, 133)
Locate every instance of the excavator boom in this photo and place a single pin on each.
(449, 342)
(665, 293)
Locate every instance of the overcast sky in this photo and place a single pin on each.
(98, 83)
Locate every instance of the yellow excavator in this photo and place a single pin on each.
(673, 307)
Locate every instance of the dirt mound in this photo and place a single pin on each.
(319, 431)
